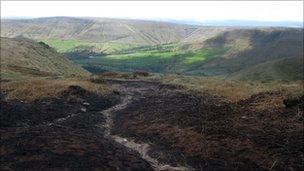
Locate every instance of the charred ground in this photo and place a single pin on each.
(61, 133)
(208, 132)
(196, 130)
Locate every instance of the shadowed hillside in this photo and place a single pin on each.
(22, 57)
(276, 53)
(288, 69)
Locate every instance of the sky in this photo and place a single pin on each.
(175, 10)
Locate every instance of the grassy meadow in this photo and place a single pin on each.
(125, 57)
(70, 45)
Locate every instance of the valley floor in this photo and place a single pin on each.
(154, 126)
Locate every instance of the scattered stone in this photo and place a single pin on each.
(86, 103)
(83, 109)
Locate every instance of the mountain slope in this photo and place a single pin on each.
(20, 57)
(100, 44)
(251, 54)
(252, 48)
(137, 32)
(287, 69)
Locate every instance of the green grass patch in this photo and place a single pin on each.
(205, 55)
(158, 59)
(64, 46)
(166, 58)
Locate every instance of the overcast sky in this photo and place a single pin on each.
(179, 10)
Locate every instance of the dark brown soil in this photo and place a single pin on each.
(203, 131)
(209, 133)
(60, 134)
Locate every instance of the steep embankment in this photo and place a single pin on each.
(23, 57)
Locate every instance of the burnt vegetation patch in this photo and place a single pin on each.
(185, 127)
(208, 132)
(62, 133)
(74, 100)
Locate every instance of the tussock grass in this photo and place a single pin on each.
(21, 57)
(124, 75)
(38, 88)
(234, 90)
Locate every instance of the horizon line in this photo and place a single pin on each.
(147, 19)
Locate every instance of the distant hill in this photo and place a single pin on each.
(253, 52)
(288, 69)
(138, 32)
(238, 23)
(22, 57)
(99, 44)
(248, 23)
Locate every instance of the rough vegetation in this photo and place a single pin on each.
(24, 58)
(233, 90)
(37, 89)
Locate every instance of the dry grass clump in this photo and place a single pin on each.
(141, 73)
(124, 75)
(37, 88)
(234, 90)
(121, 75)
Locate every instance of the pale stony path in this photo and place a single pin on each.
(130, 93)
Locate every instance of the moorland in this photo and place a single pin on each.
(114, 94)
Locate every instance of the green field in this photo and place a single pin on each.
(66, 46)
(166, 58)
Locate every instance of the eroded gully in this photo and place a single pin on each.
(130, 91)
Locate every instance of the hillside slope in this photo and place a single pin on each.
(101, 44)
(251, 54)
(138, 32)
(20, 57)
(258, 52)
(288, 69)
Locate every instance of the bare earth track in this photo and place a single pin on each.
(130, 93)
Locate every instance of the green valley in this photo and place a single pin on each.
(100, 44)
(166, 58)
(70, 45)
